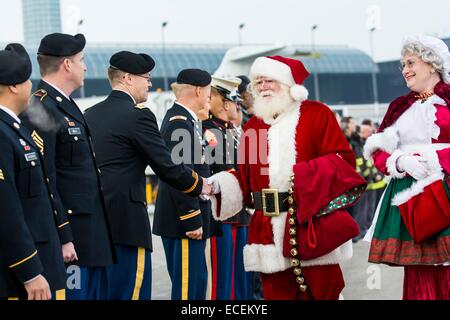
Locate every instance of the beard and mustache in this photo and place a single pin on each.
(268, 105)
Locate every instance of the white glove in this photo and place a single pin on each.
(415, 166)
(214, 182)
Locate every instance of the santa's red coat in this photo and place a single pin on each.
(268, 153)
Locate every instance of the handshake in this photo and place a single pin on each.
(210, 187)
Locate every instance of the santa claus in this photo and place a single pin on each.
(296, 170)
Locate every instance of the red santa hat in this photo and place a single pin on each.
(285, 70)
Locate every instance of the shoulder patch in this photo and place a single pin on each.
(141, 106)
(2, 177)
(178, 118)
(41, 94)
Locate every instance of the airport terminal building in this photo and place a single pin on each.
(343, 75)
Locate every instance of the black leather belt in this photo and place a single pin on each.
(271, 202)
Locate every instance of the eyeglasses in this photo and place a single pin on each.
(149, 79)
(269, 82)
(409, 64)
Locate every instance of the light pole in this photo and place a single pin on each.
(315, 56)
(164, 65)
(79, 25)
(241, 26)
(374, 76)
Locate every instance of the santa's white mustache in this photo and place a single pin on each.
(267, 93)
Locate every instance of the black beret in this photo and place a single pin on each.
(244, 84)
(15, 65)
(195, 77)
(134, 63)
(61, 44)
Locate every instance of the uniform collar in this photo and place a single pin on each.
(11, 113)
(57, 89)
(67, 105)
(192, 113)
(223, 124)
(120, 90)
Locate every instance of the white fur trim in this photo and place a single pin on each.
(391, 164)
(418, 187)
(231, 196)
(298, 93)
(415, 189)
(266, 67)
(282, 149)
(282, 156)
(387, 140)
(269, 258)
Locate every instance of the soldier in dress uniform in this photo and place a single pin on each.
(63, 136)
(31, 261)
(183, 222)
(247, 99)
(127, 140)
(231, 280)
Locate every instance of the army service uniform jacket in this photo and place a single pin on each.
(60, 131)
(127, 140)
(29, 242)
(175, 212)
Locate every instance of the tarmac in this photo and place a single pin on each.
(364, 280)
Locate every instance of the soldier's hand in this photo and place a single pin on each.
(69, 253)
(38, 289)
(196, 234)
(206, 189)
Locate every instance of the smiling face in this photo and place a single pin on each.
(419, 75)
(267, 88)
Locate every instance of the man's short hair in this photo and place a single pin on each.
(346, 119)
(367, 122)
(114, 75)
(49, 64)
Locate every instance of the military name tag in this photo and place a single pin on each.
(30, 156)
(74, 131)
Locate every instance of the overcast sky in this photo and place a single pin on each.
(279, 21)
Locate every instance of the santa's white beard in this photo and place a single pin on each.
(269, 108)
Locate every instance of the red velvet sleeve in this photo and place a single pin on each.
(444, 159)
(379, 159)
(334, 141)
(243, 174)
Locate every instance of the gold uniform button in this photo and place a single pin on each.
(59, 99)
(48, 180)
(75, 138)
(16, 125)
(99, 171)
(51, 195)
(33, 163)
(69, 211)
(56, 212)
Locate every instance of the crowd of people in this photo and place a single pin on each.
(261, 191)
(364, 210)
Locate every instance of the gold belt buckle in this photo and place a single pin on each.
(266, 213)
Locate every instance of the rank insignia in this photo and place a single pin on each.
(38, 140)
(2, 177)
(178, 118)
